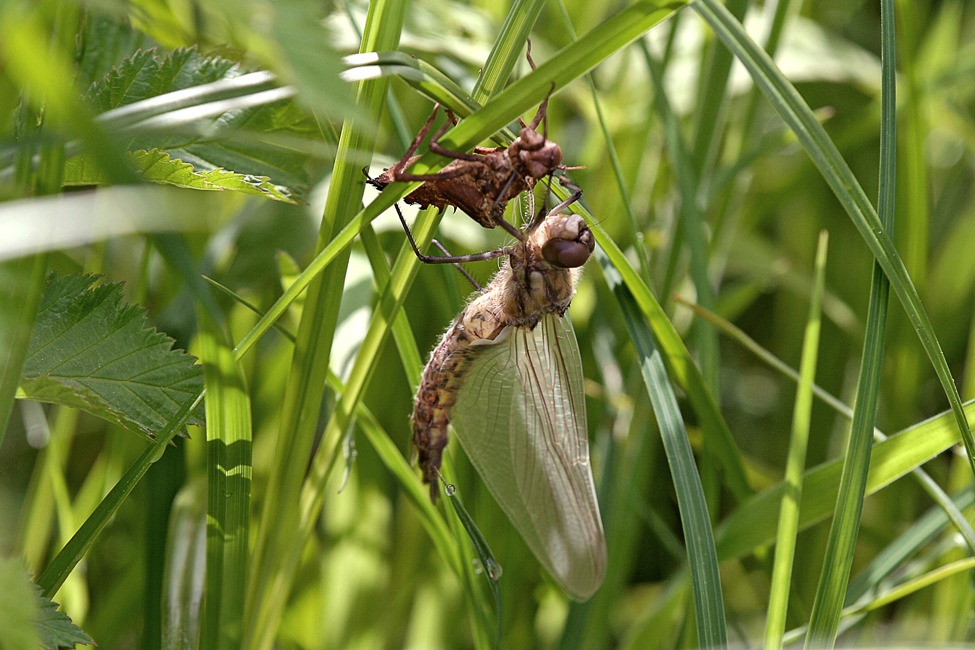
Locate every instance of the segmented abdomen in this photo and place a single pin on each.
(437, 393)
(444, 375)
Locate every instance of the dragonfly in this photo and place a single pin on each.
(508, 376)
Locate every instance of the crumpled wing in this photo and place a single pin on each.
(521, 417)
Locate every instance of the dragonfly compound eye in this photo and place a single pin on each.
(569, 253)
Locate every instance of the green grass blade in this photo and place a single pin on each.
(698, 537)
(57, 571)
(678, 360)
(680, 366)
(824, 154)
(753, 524)
(692, 225)
(275, 559)
(490, 566)
(402, 332)
(507, 48)
(909, 587)
(927, 483)
(693, 167)
(712, 98)
(788, 527)
(908, 543)
(228, 431)
(22, 283)
(824, 620)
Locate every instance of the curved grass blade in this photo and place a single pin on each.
(507, 48)
(680, 366)
(927, 483)
(922, 532)
(426, 78)
(895, 593)
(701, 553)
(76, 548)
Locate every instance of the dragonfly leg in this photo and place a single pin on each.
(458, 266)
(450, 259)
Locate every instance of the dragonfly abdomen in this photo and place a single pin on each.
(442, 378)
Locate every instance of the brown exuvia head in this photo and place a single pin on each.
(537, 155)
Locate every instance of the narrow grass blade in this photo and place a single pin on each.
(911, 586)
(698, 537)
(927, 483)
(21, 287)
(824, 620)
(691, 220)
(54, 575)
(228, 430)
(712, 98)
(922, 532)
(788, 527)
(753, 524)
(402, 332)
(283, 532)
(824, 154)
(680, 366)
(507, 48)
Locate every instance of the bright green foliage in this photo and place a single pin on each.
(28, 620)
(225, 141)
(159, 167)
(92, 352)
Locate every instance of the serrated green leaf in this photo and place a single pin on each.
(103, 43)
(144, 74)
(209, 147)
(160, 167)
(90, 351)
(55, 627)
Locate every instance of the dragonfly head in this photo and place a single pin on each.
(569, 253)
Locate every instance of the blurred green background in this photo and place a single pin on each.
(370, 575)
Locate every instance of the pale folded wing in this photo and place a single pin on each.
(521, 417)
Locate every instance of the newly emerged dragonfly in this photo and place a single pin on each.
(508, 375)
